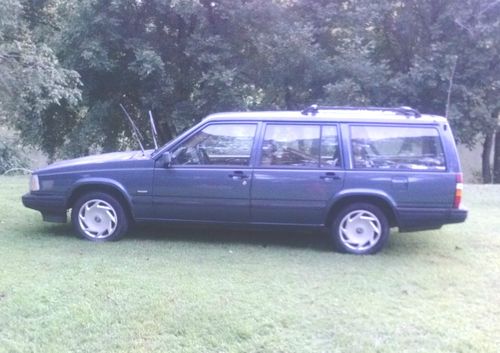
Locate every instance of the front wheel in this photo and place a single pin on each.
(360, 228)
(98, 216)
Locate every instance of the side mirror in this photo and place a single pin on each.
(166, 159)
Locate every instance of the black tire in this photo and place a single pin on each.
(103, 219)
(360, 228)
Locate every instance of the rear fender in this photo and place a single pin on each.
(379, 198)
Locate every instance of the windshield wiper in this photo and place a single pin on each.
(135, 131)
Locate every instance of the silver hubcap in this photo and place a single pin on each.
(97, 219)
(360, 230)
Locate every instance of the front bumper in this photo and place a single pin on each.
(52, 207)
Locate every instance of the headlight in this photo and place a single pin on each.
(34, 183)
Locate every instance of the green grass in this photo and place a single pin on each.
(197, 290)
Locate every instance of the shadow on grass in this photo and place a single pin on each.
(53, 230)
(405, 245)
(317, 240)
(164, 232)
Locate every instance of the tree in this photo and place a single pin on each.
(183, 60)
(477, 33)
(443, 58)
(34, 87)
(69, 64)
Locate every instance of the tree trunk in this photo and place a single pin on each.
(486, 157)
(496, 159)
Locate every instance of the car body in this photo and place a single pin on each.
(355, 171)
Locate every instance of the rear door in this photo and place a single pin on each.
(298, 170)
(209, 178)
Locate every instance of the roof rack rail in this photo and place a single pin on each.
(406, 111)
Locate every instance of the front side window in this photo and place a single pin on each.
(305, 146)
(218, 144)
(390, 147)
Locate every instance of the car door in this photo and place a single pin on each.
(209, 177)
(299, 169)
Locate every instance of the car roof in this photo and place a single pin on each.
(337, 115)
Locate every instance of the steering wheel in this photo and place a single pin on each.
(202, 155)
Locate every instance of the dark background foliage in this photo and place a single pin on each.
(65, 65)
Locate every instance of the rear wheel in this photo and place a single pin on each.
(360, 228)
(98, 216)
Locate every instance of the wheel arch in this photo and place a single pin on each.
(98, 185)
(383, 202)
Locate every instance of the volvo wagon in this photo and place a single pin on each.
(356, 172)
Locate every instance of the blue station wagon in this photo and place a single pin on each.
(354, 171)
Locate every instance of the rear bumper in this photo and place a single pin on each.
(414, 219)
(52, 208)
(458, 215)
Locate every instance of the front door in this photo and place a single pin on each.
(209, 178)
(298, 172)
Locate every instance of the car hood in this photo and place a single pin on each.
(98, 159)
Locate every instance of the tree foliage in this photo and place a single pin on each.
(34, 88)
(10, 156)
(68, 64)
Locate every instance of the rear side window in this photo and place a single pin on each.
(303, 146)
(392, 147)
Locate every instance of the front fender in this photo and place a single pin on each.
(98, 183)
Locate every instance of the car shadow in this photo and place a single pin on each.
(53, 229)
(317, 240)
(294, 238)
(166, 232)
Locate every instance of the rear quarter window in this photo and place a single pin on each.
(395, 147)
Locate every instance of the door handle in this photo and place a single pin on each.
(238, 175)
(330, 176)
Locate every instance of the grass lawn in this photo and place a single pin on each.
(198, 290)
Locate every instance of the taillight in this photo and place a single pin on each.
(458, 190)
